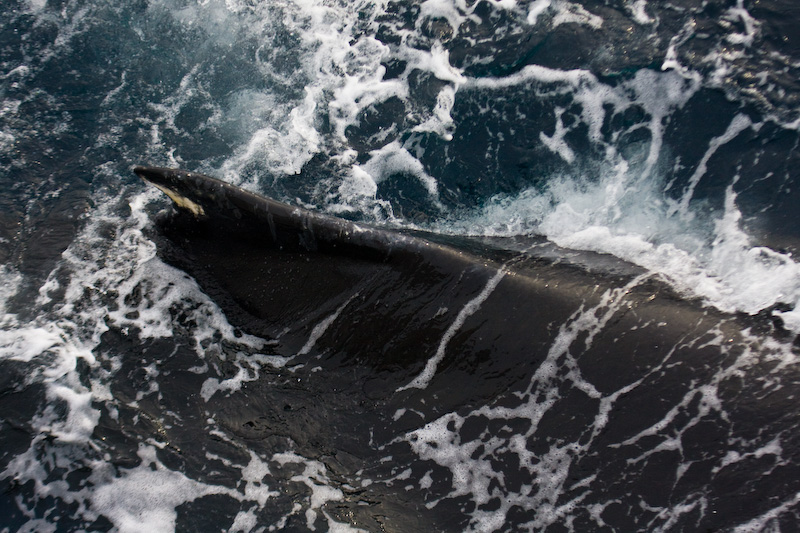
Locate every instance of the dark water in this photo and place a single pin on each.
(664, 135)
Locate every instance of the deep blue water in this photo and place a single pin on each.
(665, 135)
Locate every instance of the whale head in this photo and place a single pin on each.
(177, 184)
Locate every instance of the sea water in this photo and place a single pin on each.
(663, 134)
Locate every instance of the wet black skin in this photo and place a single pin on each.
(277, 271)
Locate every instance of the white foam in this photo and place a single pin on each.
(23, 344)
(391, 159)
(248, 367)
(425, 377)
(213, 385)
(283, 145)
(625, 212)
(81, 416)
(36, 5)
(357, 186)
(556, 142)
(323, 326)
(7, 141)
(471, 462)
(253, 475)
(358, 190)
(766, 521)
(125, 265)
(454, 12)
(440, 122)
(244, 522)
(638, 9)
(145, 497)
(728, 272)
(572, 13)
(537, 7)
(341, 73)
(113, 279)
(315, 477)
(738, 124)
(54, 353)
(751, 25)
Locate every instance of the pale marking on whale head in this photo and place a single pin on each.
(181, 201)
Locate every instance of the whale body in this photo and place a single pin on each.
(510, 349)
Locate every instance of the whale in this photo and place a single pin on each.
(510, 344)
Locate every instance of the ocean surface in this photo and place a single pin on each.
(658, 137)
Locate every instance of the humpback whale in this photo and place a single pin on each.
(537, 349)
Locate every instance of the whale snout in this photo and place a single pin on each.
(170, 182)
(155, 175)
